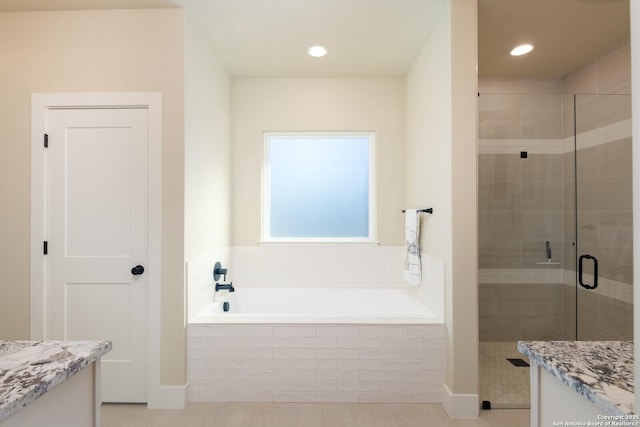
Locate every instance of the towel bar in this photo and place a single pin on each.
(428, 210)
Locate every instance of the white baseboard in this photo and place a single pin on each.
(169, 397)
(460, 405)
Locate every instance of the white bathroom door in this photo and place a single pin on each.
(97, 239)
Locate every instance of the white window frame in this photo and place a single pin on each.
(266, 185)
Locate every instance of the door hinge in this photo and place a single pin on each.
(46, 140)
(45, 248)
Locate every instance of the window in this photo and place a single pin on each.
(318, 187)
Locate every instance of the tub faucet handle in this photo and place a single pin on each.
(219, 271)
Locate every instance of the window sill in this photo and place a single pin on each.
(319, 242)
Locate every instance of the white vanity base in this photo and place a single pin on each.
(581, 383)
(554, 403)
(75, 402)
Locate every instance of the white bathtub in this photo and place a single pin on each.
(316, 305)
(317, 345)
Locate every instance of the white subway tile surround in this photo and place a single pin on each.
(317, 266)
(199, 278)
(316, 363)
(313, 267)
(332, 358)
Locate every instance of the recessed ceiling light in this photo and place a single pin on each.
(523, 49)
(317, 51)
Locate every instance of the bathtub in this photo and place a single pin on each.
(315, 305)
(317, 345)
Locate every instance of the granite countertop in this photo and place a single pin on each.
(28, 369)
(602, 371)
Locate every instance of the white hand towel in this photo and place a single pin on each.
(412, 267)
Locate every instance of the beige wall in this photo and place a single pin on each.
(441, 172)
(207, 167)
(462, 318)
(90, 52)
(316, 104)
(207, 148)
(428, 140)
(635, 72)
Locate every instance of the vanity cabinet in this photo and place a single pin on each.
(50, 383)
(581, 383)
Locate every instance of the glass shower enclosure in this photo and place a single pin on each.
(555, 228)
(603, 217)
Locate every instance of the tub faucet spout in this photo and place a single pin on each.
(225, 287)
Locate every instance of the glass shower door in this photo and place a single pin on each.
(522, 292)
(554, 202)
(601, 254)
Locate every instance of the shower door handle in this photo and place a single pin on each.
(595, 271)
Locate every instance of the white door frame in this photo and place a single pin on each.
(152, 101)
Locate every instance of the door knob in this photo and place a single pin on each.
(137, 270)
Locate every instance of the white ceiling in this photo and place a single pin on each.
(383, 37)
(271, 37)
(363, 37)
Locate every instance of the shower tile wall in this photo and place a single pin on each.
(520, 205)
(609, 74)
(521, 311)
(520, 199)
(604, 207)
(604, 194)
(605, 231)
(526, 201)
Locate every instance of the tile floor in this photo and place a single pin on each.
(501, 383)
(305, 415)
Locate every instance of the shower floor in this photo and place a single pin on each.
(504, 385)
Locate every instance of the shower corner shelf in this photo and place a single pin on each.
(548, 262)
